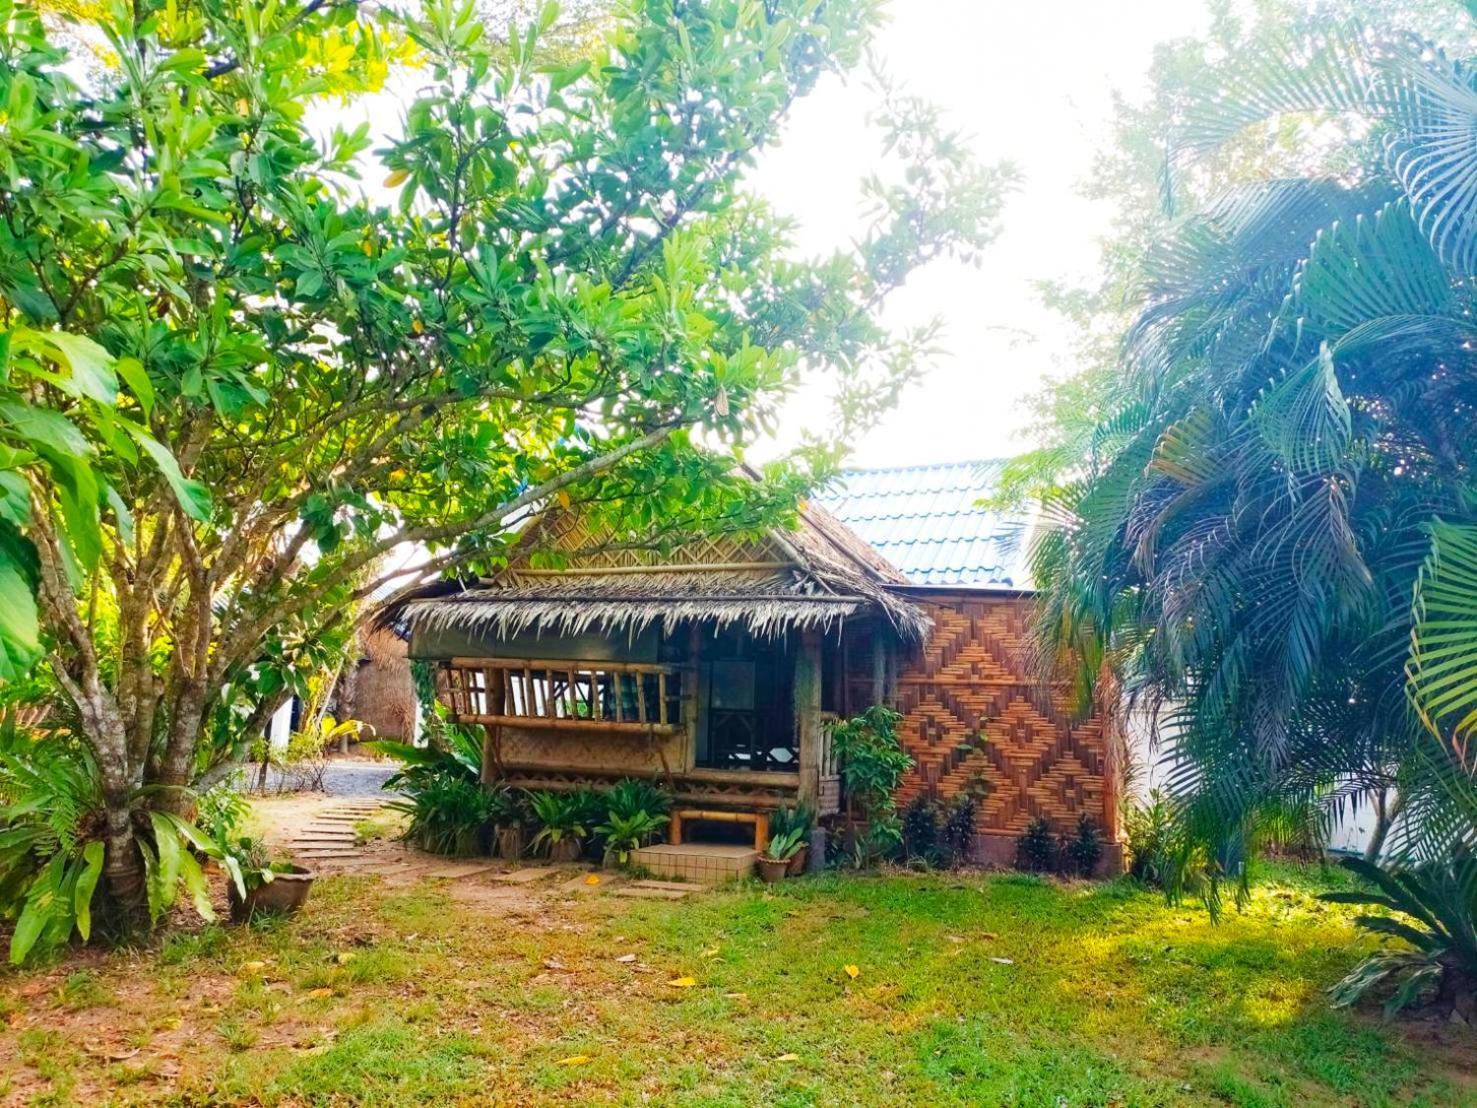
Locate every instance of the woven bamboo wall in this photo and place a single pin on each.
(974, 723)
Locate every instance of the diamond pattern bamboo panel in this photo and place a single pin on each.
(974, 723)
(569, 533)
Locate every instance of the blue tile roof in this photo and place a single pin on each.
(926, 521)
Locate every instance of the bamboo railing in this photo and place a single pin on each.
(628, 697)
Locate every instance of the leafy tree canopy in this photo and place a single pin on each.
(236, 381)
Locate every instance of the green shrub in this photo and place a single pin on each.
(921, 832)
(449, 814)
(1150, 840)
(1035, 851)
(1080, 856)
(873, 763)
(958, 833)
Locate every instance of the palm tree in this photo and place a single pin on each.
(1274, 544)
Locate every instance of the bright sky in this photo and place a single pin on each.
(1030, 83)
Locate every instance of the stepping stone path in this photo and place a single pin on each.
(326, 844)
(329, 836)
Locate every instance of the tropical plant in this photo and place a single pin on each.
(559, 817)
(448, 814)
(785, 845)
(791, 816)
(458, 753)
(873, 763)
(631, 796)
(627, 831)
(1242, 548)
(1438, 901)
(1149, 839)
(559, 288)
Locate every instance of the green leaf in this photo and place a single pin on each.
(91, 365)
(92, 857)
(41, 899)
(47, 429)
(137, 377)
(193, 497)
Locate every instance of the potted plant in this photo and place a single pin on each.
(787, 820)
(561, 830)
(774, 863)
(259, 885)
(506, 814)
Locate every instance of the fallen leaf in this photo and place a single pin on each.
(788, 1058)
(682, 982)
(553, 964)
(626, 958)
(344, 957)
(592, 879)
(574, 1060)
(989, 936)
(737, 996)
(711, 952)
(852, 971)
(1003, 961)
(250, 969)
(319, 994)
(125, 1055)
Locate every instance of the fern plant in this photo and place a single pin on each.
(52, 851)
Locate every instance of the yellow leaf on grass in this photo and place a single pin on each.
(319, 994)
(852, 971)
(788, 1058)
(592, 879)
(573, 1060)
(249, 969)
(682, 982)
(344, 958)
(711, 952)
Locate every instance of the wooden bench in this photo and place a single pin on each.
(758, 819)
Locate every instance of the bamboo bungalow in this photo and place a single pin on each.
(718, 668)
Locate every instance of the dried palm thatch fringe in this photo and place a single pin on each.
(484, 610)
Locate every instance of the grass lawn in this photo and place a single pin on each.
(968, 990)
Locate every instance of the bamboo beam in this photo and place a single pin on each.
(563, 723)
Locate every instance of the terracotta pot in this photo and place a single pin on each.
(510, 843)
(565, 850)
(283, 895)
(773, 869)
(797, 863)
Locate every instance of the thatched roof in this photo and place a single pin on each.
(813, 577)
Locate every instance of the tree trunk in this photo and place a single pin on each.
(1386, 813)
(125, 901)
